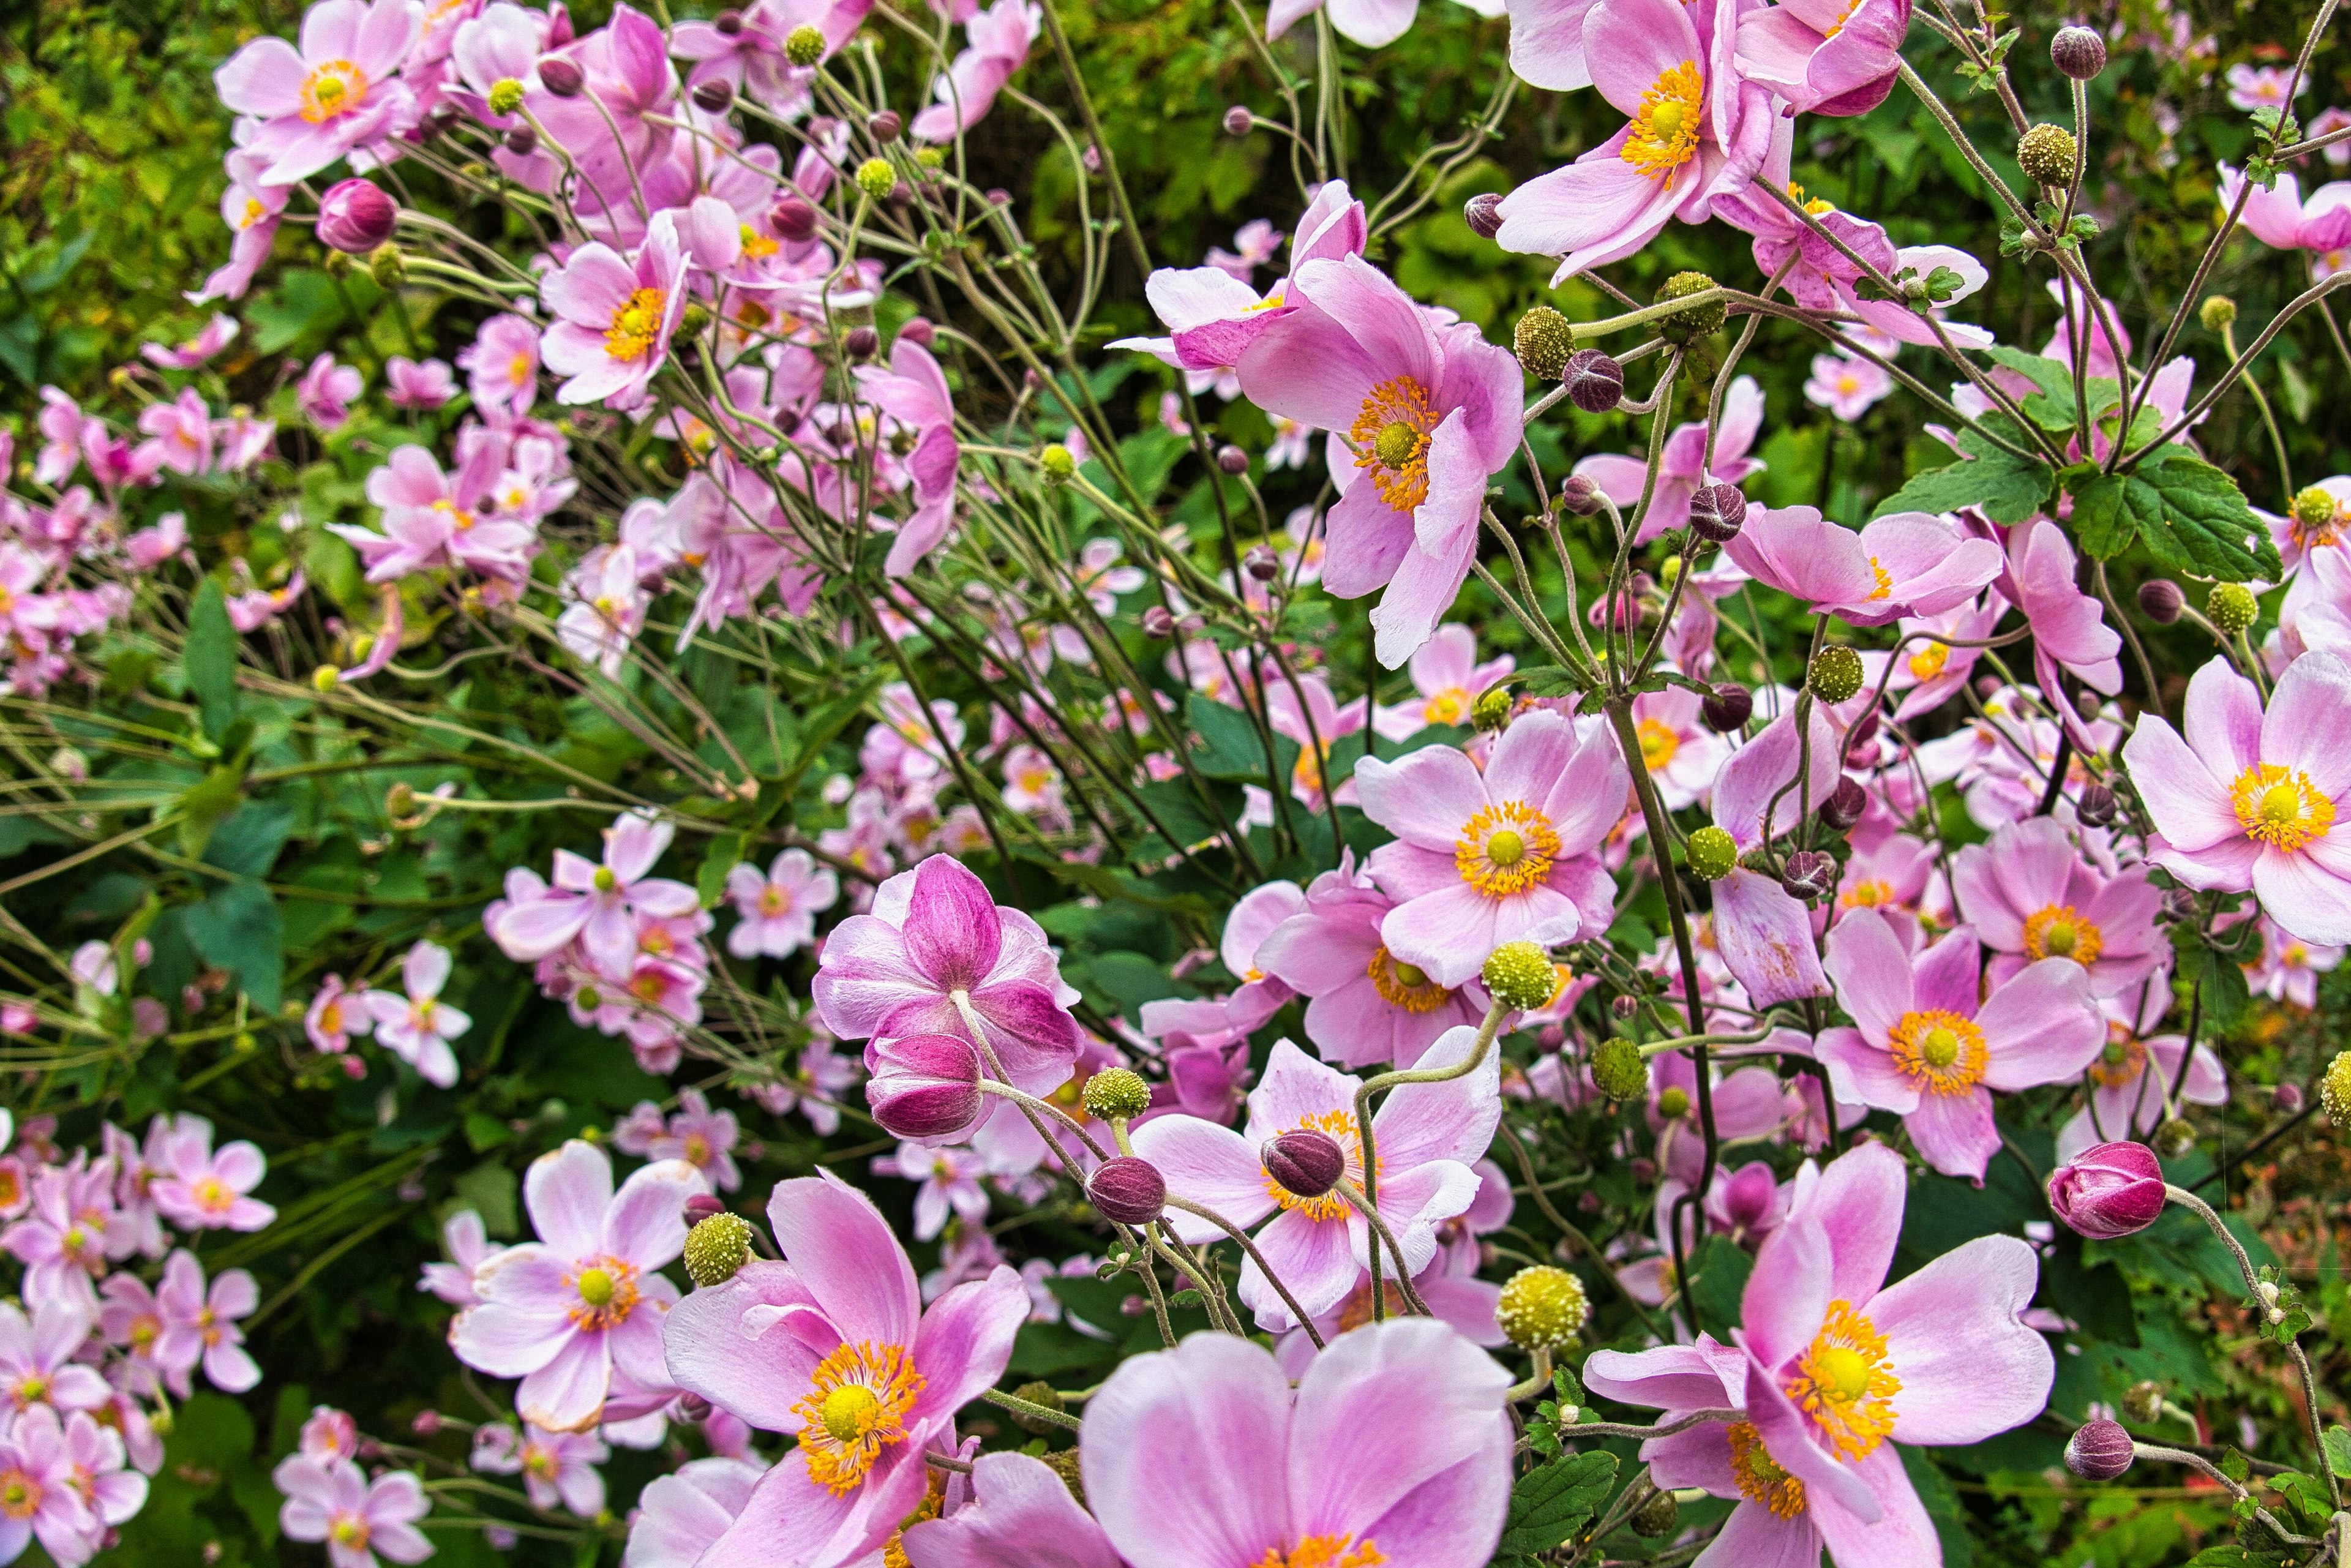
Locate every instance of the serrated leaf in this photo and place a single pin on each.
(1552, 1502)
(2009, 489)
(2338, 1446)
(237, 928)
(2207, 527)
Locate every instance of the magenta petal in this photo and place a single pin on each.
(1964, 1386)
(1174, 1451)
(1765, 937)
(1955, 1132)
(842, 1249)
(758, 1377)
(952, 932)
(1386, 1409)
(1857, 1202)
(1787, 1295)
(965, 1339)
(1020, 1515)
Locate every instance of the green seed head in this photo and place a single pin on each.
(2175, 1140)
(2046, 154)
(506, 95)
(2218, 312)
(1835, 673)
(1520, 975)
(1544, 340)
(2334, 1090)
(876, 178)
(804, 45)
(385, 266)
(1118, 1094)
(1618, 1070)
(1656, 1518)
(1713, 854)
(1059, 464)
(1492, 708)
(716, 1248)
(2313, 508)
(1039, 1393)
(2231, 608)
(1699, 320)
(1542, 1308)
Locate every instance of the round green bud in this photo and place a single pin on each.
(1618, 1070)
(2334, 1090)
(804, 45)
(325, 677)
(1713, 853)
(2314, 508)
(2046, 154)
(385, 266)
(1657, 1518)
(1041, 1394)
(1836, 675)
(1542, 1308)
(1699, 320)
(1116, 1094)
(2218, 312)
(716, 1248)
(1520, 976)
(930, 156)
(1063, 1462)
(1492, 708)
(2175, 1140)
(506, 95)
(338, 264)
(876, 178)
(2231, 608)
(1674, 1104)
(694, 319)
(1544, 340)
(1059, 462)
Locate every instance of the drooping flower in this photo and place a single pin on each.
(1904, 563)
(614, 317)
(2132, 1076)
(341, 90)
(418, 1027)
(1825, 57)
(2030, 895)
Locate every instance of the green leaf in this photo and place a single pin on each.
(2337, 1445)
(209, 660)
(1230, 745)
(725, 853)
(238, 929)
(2009, 489)
(1719, 1271)
(2051, 404)
(2207, 529)
(247, 842)
(1552, 1502)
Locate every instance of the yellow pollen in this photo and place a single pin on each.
(1659, 742)
(636, 324)
(856, 1406)
(894, 1551)
(459, 519)
(348, 1529)
(1844, 1382)
(607, 1289)
(847, 1411)
(775, 900)
(1505, 849)
(2281, 808)
(1759, 1479)
(1885, 589)
(1341, 1126)
(1817, 206)
(1324, 1552)
(757, 245)
(1404, 985)
(1842, 18)
(1390, 436)
(1940, 1052)
(213, 1193)
(2121, 1061)
(1446, 707)
(1664, 133)
(2060, 932)
(335, 88)
(254, 212)
(1929, 661)
(1874, 893)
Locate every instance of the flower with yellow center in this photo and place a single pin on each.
(1885, 589)
(1940, 1052)
(856, 1407)
(1665, 129)
(1405, 986)
(1308, 773)
(1324, 1552)
(894, 1551)
(2280, 807)
(457, 517)
(1390, 436)
(1505, 849)
(1339, 1124)
(757, 245)
(351, 1530)
(333, 88)
(1872, 892)
(605, 1292)
(2060, 932)
(1760, 1479)
(1816, 205)
(1659, 742)
(1929, 661)
(2121, 1061)
(775, 900)
(254, 212)
(1450, 705)
(636, 324)
(1842, 1381)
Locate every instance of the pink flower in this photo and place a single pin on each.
(1426, 1136)
(1481, 858)
(201, 1325)
(206, 1189)
(112, 1494)
(1696, 131)
(503, 364)
(1824, 58)
(37, 1359)
(341, 90)
(250, 209)
(1317, 724)
(999, 39)
(599, 905)
(1367, 1009)
(604, 607)
(2250, 798)
(582, 1306)
(1926, 1049)
(1847, 385)
(1684, 467)
(950, 1182)
(411, 385)
(1392, 1449)
(2030, 895)
(63, 1241)
(615, 316)
(1013, 1503)
(132, 1319)
(2254, 87)
(833, 1344)
(37, 1476)
(332, 1020)
(913, 392)
(1448, 679)
(325, 389)
(702, 1138)
(1833, 1364)
(330, 1501)
(1904, 563)
(2287, 969)
(1214, 315)
(418, 1027)
(2131, 1076)
(777, 912)
(180, 434)
(556, 1467)
(1932, 671)
(463, 1237)
(218, 333)
(1429, 413)
(2280, 218)
(679, 1515)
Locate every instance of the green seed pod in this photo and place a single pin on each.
(1657, 1518)
(1836, 675)
(1520, 975)
(1039, 1393)
(2218, 312)
(716, 1248)
(1713, 853)
(1117, 1094)
(2046, 154)
(506, 95)
(384, 265)
(2334, 1090)
(804, 45)
(1059, 462)
(876, 178)
(1618, 1070)
(1492, 708)
(2231, 608)
(1687, 327)
(1544, 340)
(2175, 1140)
(1542, 1308)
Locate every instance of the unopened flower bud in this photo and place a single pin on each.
(1713, 853)
(1594, 381)
(793, 219)
(1520, 975)
(2098, 1450)
(2231, 608)
(884, 125)
(1698, 321)
(2143, 1402)
(691, 322)
(1835, 673)
(1624, 1006)
(714, 97)
(1845, 805)
(1261, 563)
(1483, 213)
(1305, 1163)
(425, 1423)
(2218, 312)
(1116, 1094)
(1544, 340)
(1857, 738)
(860, 342)
(692, 1407)
(1059, 462)
(1542, 1308)
(1127, 1191)
(701, 1206)
(1618, 1070)
(1809, 874)
(2079, 52)
(717, 1248)
(2111, 1190)
(1579, 496)
(506, 95)
(729, 22)
(2175, 1139)
(876, 178)
(804, 45)
(386, 266)
(355, 216)
(1238, 121)
(561, 77)
(2046, 154)
(522, 141)
(1231, 459)
(1727, 709)
(923, 1085)
(2160, 601)
(1717, 513)
(1158, 621)
(2097, 807)
(1657, 1518)
(1491, 711)
(1044, 1395)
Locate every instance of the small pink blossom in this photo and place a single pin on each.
(418, 1027)
(1847, 385)
(327, 388)
(614, 317)
(341, 90)
(409, 384)
(330, 1500)
(200, 1325)
(557, 1467)
(468, 1243)
(777, 912)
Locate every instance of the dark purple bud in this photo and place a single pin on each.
(712, 97)
(2097, 807)
(692, 1407)
(522, 140)
(1625, 1006)
(1305, 1163)
(1595, 383)
(354, 218)
(1158, 621)
(728, 22)
(561, 77)
(885, 125)
(2286, 1098)
(1238, 121)
(701, 1206)
(2079, 52)
(793, 219)
(1578, 495)
(917, 331)
(2112, 1189)
(1642, 1169)
(1128, 1191)
(2088, 703)
(1810, 874)
(1844, 806)
(1263, 563)
(2098, 1450)
(1864, 731)
(2160, 601)
(1483, 213)
(923, 1086)
(861, 343)
(1718, 512)
(1728, 708)
(1231, 459)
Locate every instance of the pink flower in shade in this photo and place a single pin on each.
(251, 210)
(63, 1241)
(2069, 627)
(1447, 680)
(1822, 57)
(2288, 968)
(260, 607)
(558, 1468)
(581, 1307)
(778, 910)
(1257, 240)
(1015, 1512)
(2282, 219)
(999, 42)
(418, 386)
(36, 1360)
(180, 434)
(131, 1317)
(1214, 315)
(468, 1243)
(1749, 1103)
(418, 1027)
(833, 1344)
(913, 392)
(203, 1188)
(701, 1138)
(44, 1501)
(599, 906)
(2030, 895)
(1833, 1366)
(1924, 1047)
(604, 607)
(1905, 563)
(1426, 1136)
(2252, 87)
(2133, 1072)
(614, 317)
(112, 1494)
(1481, 858)
(329, 1434)
(338, 91)
(907, 742)
(502, 365)
(1684, 467)
(325, 389)
(218, 334)
(1308, 713)
(938, 954)
(336, 1017)
(1928, 672)
(2251, 798)
(1430, 413)
(1697, 130)
(948, 1185)
(200, 1325)
(330, 1500)
(1847, 385)
(1897, 877)
(1682, 755)
(1393, 1448)
(1366, 1009)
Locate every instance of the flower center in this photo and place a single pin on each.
(605, 880)
(1404, 985)
(1874, 892)
(31, 1390)
(1391, 438)
(1674, 1104)
(335, 88)
(330, 1019)
(607, 1288)
(213, 1194)
(1760, 1480)
(1446, 707)
(1356, 1309)
(757, 245)
(1843, 1384)
(2281, 808)
(697, 1149)
(1505, 849)
(1929, 661)
(459, 519)
(1663, 132)
(1659, 742)
(2123, 1059)
(348, 1529)
(856, 1407)
(1940, 1051)
(1307, 774)
(1340, 1126)
(636, 324)
(1324, 1552)
(2060, 932)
